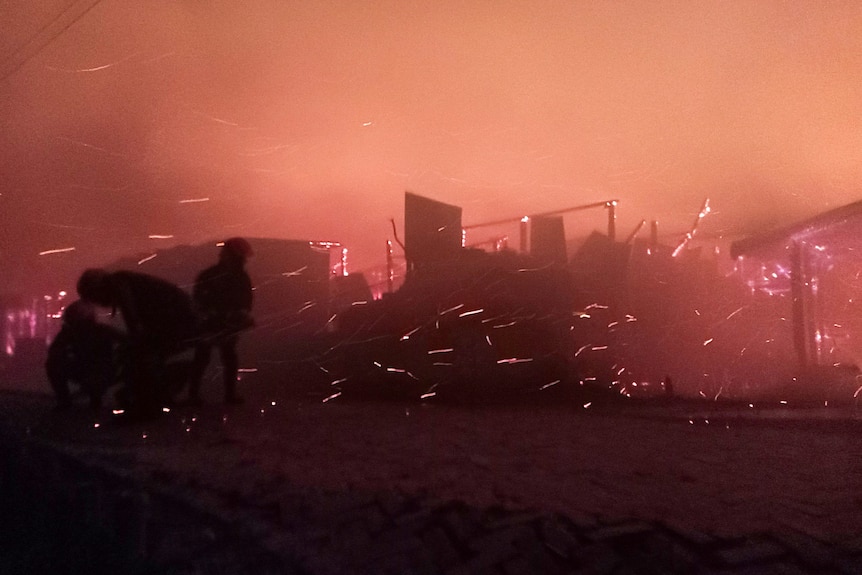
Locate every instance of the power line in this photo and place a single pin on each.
(40, 31)
(39, 41)
(543, 214)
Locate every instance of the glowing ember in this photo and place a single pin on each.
(56, 251)
(444, 350)
(472, 312)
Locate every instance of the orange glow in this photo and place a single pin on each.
(310, 120)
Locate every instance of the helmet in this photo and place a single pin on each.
(238, 247)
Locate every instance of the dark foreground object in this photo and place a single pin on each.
(261, 498)
(60, 515)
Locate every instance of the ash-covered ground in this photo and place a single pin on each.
(343, 485)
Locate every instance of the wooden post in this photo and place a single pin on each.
(390, 267)
(612, 220)
(524, 230)
(804, 336)
(653, 236)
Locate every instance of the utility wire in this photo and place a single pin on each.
(40, 31)
(543, 214)
(31, 48)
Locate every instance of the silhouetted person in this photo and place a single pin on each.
(159, 320)
(82, 352)
(223, 299)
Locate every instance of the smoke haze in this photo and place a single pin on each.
(197, 120)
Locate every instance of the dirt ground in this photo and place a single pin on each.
(730, 472)
(717, 470)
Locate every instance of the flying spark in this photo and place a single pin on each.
(295, 273)
(57, 251)
(94, 68)
(734, 313)
(472, 312)
(407, 335)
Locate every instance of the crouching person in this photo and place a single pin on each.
(82, 354)
(160, 323)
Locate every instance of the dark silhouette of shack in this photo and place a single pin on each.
(432, 231)
(548, 239)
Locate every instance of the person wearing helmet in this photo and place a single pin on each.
(159, 322)
(223, 300)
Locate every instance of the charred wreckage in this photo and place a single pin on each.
(616, 319)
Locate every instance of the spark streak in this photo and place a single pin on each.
(734, 313)
(57, 251)
(471, 312)
(94, 68)
(217, 120)
(407, 335)
(451, 309)
(194, 200)
(294, 273)
(690, 234)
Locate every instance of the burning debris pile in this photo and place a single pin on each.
(630, 319)
(618, 319)
(469, 325)
(476, 327)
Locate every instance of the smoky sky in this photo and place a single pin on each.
(309, 120)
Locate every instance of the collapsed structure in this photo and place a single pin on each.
(610, 317)
(815, 263)
(630, 316)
